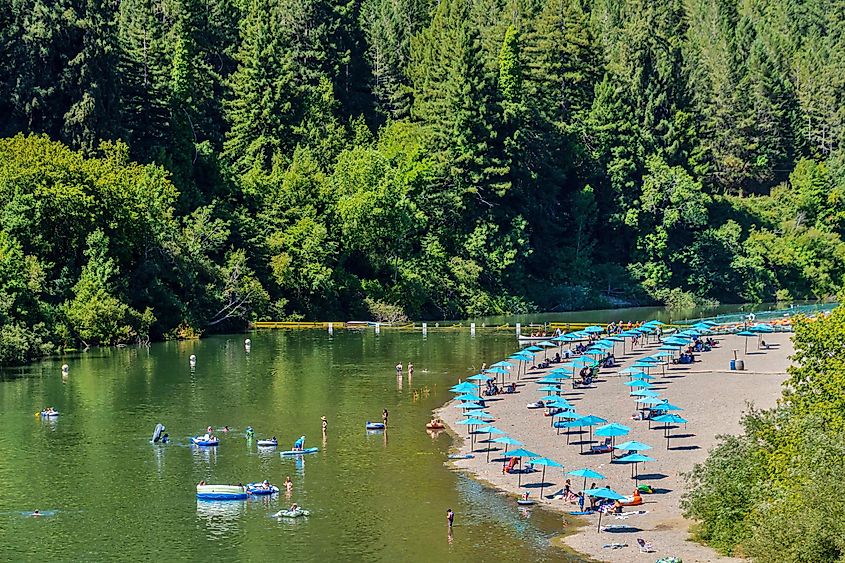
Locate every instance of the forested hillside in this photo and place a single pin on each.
(317, 159)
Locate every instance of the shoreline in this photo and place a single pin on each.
(714, 399)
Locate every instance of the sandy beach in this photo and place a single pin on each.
(713, 399)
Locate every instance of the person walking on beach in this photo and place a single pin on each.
(384, 415)
(399, 369)
(450, 517)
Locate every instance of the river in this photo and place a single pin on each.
(109, 494)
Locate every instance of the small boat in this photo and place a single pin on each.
(300, 452)
(461, 456)
(260, 489)
(50, 414)
(435, 426)
(199, 441)
(525, 502)
(267, 443)
(536, 405)
(375, 425)
(291, 513)
(221, 492)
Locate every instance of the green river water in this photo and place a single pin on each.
(109, 494)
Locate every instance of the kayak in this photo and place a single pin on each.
(461, 456)
(291, 513)
(197, 441)
(49, 414)
(221, 492)
(258, 489)
(268, 443)
(300, 452)
(375, 426)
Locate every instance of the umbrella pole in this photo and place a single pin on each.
(598, 528)
(519, 480)
(543, 482)
(584, 488)
(490, 435)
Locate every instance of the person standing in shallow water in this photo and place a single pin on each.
(384, 415)
(410, 369)
(450, 517)
(399, 369)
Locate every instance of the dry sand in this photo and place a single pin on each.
(713, 398)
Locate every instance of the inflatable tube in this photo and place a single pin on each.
(258, 489)
(221, 492)
(205, 443)
(435, 426)
(461, 456)
(268, 443)
(46, 414)
(523, 502)
(375, 426)
(291, 513)
(300, 452)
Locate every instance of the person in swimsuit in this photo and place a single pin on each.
(288, 484)
(450, 517)
(384, 415)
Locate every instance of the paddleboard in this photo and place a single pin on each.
(300, 452)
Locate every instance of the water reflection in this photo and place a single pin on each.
(220, 516)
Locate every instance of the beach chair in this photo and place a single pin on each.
(602, 448)
(645, 547)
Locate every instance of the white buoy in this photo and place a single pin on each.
(331, 328)
(378, 328)
(193, 360)
(472, 329)
(518, 329)
(425, 329)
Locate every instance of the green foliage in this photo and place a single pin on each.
(463, 157)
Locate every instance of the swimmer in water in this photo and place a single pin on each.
(288, 484)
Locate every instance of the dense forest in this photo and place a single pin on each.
(774, 493)
(171, 167)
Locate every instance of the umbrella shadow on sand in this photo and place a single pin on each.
(651, 476)
(684, 448)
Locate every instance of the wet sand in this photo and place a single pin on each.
(713, 398)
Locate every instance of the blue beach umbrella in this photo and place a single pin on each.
(549, 388)
(641, 375)
(532, 349)
(634, 459)
(664, 354)
(650, 401)
(507, 441)
(479, 377)
(469, 397)
(549, 398)
(594, 329)
(468, 406)
(644, 393)
(545, 462)
(589, 421)
(496, 370)
(586, 473)
(471, 422)
(547, 344)
(489, 430)
(604, 493)
(519, 454)
(667, 406)
(632, 446)
(501, 364)
(638, 383)
(666, 420)
(611, 431)
(463, 388)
